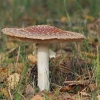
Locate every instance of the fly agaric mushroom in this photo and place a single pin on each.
(43, 35)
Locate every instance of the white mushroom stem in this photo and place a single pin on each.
(43, 66)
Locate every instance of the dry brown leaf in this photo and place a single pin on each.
(65, 88)
(10, 45)
(65, 96)
(29, 90)
(78, 97)
(82, 93)
(37, 97)
(3, 74)
(13, 80)
(63, 19)
(32, 59)
(92, 87)
(98, 97)
(5, 92)
(52, 96)
(59, 96)
(75, 86)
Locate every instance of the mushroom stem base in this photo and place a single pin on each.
(43, 66)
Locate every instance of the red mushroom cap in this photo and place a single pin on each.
(43, 34)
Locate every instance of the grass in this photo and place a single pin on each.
(22, 13)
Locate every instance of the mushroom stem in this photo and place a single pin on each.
(43, 66)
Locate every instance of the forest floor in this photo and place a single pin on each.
(77, 65)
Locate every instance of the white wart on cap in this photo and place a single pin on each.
(43, 35)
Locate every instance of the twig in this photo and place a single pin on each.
(17, 56)
(10, 94)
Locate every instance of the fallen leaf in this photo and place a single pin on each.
(78, 97)
(13, 80)
(37, 97)
(75, 86)
(63, 19)
(65, 96)
(32, 59)
(60, 96)
(98, 97)
(3, 74)
(65, 88)
(5, 93)
(92, 87)
(10, 45)
(82, 93)
(29, 90)
(51, 96)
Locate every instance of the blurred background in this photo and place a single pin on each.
(67, 13)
